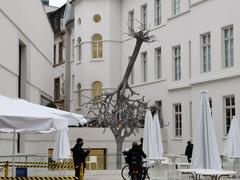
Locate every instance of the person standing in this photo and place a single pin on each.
(79, 156)
(188, 151)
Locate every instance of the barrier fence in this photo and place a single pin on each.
(53, 165)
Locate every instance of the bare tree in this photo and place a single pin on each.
(123, 109)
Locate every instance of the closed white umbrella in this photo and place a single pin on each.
(233, 139)
(61, 146)
(152, 142)
(205, 151)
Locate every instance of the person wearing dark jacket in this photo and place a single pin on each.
(134, 157)
(188, 151)
(79, 156)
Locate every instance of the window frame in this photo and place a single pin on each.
(158, 63)
(97, 89)
(176, 63)
(232, 109)
(57, 89)
(132, 74)
(229, 62)
(177, 130)
(144, 66)
(60, 52)
(98, 45)
(157, 12)
(206, 65)
(54, 54)
(79, 49)
(144, 17)
(175, 7)
(131, 20)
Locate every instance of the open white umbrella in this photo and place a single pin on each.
(73, 118)
(18, 117)
(205, 151)
(233, 139)
(152, 139)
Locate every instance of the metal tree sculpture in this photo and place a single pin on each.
(121, 110)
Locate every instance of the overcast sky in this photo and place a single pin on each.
(57, 3)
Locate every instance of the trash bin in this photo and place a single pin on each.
(21, 172)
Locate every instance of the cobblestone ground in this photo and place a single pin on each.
(115, 175)
(108, 175)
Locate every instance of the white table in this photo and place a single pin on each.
(214, 174)
(172, 157)
(191, 172)
(172, 164)
(236, 164)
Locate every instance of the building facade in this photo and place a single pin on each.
(26, 56)
(195, 49)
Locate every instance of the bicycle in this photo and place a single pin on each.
(127, 176)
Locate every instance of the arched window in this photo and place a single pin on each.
(97, 46)
(79, 86)
(79, 49)
(96, 90)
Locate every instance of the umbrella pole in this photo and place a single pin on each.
(13, 153)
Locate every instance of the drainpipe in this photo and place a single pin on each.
(67, 71)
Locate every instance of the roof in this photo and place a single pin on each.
(55, 18)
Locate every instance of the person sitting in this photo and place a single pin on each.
(134, 158)
(188, 151)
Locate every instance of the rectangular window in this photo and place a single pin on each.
(190, 58)
(132, 73)
(144, 66)
(56, 89)
(54, 54)
(176, 7)
(144, 16)
(160, 116)
(229, 112)
(228, 48)
(157, 12)
(177, 63)
(177, 120)
(191, 119)
(73, 41)
(210, 104)
(60, 52)
(206, 52)
(131, 21)
(73, 85)
(158, 63)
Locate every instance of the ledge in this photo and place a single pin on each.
(179, 86)
(148, 83)
(177, 139)
(55, 65)
(215, 78)
(178, 15)
(197, 3)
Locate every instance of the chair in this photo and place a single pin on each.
(92, 159)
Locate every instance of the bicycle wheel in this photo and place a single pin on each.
(125, 173)
(145, 173)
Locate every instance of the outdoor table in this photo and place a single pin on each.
(148, 163)
(191, 172)
(172, 164)
(214, 174)
(236, 164)
(172, 157)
